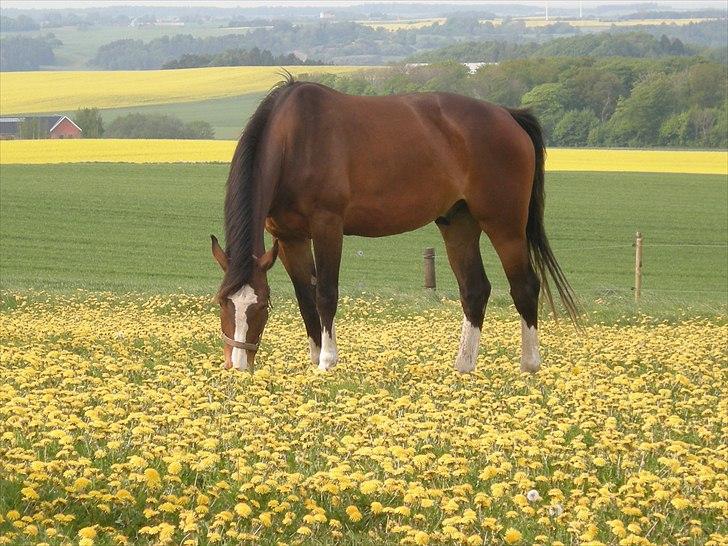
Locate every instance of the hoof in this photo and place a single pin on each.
(530, 365)
(464, 364)
(327, 361)
(314, 351)
(322, 367)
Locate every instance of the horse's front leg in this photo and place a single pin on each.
(327, 231)
(298, 261)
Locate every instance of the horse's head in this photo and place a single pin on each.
(244, 312)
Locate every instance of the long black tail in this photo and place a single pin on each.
(541, 256)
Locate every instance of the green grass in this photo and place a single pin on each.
(80, 46)
(145, 228)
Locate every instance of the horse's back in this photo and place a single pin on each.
(405, 159)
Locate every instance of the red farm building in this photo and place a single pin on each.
(39, 127)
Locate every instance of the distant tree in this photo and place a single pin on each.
(548, 101)
(23, 53)
(32, 128)
(675, 130)
(20, 23)
(638, 118)
(237, 57)
(574, 127)
(199, 130)
(595, 89)
(158, 126)
(90, 122)
(707, 85)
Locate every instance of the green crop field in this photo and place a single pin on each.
(145, 228)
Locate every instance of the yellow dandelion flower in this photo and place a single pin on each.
(421, 538)
(243, 510)
(87, 532)
(353, 513)
(680, 503)
(152, 477)
(369, 487)
(512, 536)
(29, 493)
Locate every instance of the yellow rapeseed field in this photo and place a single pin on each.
(115, 151)
(175, 151)
(28, 92)
(117, 426)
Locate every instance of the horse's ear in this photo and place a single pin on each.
(266, 261)
(219, 253)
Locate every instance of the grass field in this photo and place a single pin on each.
(30, 92)
(118, 427)
(145, 228)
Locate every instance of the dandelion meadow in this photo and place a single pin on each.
(117, 426)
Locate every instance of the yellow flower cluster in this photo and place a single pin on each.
(202, 151)
(117, 426)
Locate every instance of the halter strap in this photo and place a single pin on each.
(239, 344)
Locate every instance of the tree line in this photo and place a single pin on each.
(353, 43)
(24, 53)
(631, 44)
(581, 101)
(18, 24)
(238, 57)
(139, 125)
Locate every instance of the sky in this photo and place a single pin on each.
(50, 4)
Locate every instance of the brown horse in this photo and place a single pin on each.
(314, 164)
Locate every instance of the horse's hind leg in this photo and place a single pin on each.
(462, 235)
(298, 261)
(525, 285)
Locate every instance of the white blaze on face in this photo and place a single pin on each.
(329, 354)
(469, 344)
(242, 299)
(530, 357)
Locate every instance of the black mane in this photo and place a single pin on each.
(239, 198)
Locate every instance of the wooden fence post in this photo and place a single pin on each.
(637, 266)
(429, 256)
